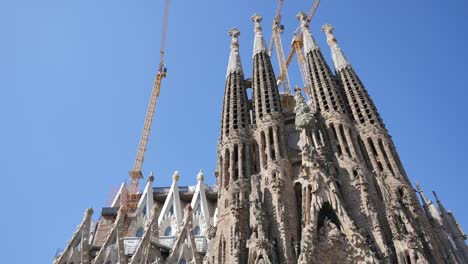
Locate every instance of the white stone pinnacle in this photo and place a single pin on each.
(176, 176)
(259, 42)
(200, 176)
(308, 39)
(234, 64)
(339, 59)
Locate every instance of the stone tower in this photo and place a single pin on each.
(234, 165)
(325, 183)
(320, 182)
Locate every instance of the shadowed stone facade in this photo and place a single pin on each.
(320, 182)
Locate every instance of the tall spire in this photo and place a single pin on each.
(361, 105)
(308, 39)
(234, 64)
(259, 42)
(431, 210)
(266, 98)
(339, 59)
(326, 94)
(458, 235)
(235, 106)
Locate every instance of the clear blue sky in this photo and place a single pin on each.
(75, 79)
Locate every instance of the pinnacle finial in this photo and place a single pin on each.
(200, 176)
(301, 16)
(234, 33)
(176, 176)
(328, 30)
(418, 187)
(234, 64)
(151, 177)
(309, 41)
(339, 59)
(256, 18)
(259, 42)
(421, 193)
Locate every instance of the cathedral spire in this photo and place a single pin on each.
(339, 59)
(362, 107)
(259, 42)
(308, 39)
(266, 98)
(234, 64)
(235, 113)
(429, 206)
(326, 94)
(457, 234)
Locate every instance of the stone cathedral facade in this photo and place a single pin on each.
(297, 181)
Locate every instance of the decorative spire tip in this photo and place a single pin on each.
(259, 42)
(309, 41)
(176, 176)
(234, 64)
(200, 176)
(339, 59)
(151, 177)
(234, 32)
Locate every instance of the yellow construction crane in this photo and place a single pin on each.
(135, 173)
(283, 78)
(297, 45)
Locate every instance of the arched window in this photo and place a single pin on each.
(168, 231)
(139, 232)
(196, 231)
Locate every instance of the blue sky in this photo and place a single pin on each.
(75, 79)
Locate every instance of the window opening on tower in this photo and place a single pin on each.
(271, 144)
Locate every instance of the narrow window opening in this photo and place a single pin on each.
(263, 150)
(364, 152)
(271, 143)
(338, 146)
(380, 166)
(278, 140)
(371, 144)
(236, 163)
(387, 160)
(227, 159)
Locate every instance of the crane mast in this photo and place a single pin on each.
(297, 45)
(135, 173)
(283, 78)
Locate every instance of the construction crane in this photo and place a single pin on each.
(283, 78)
(135, 173)
(297, 45)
